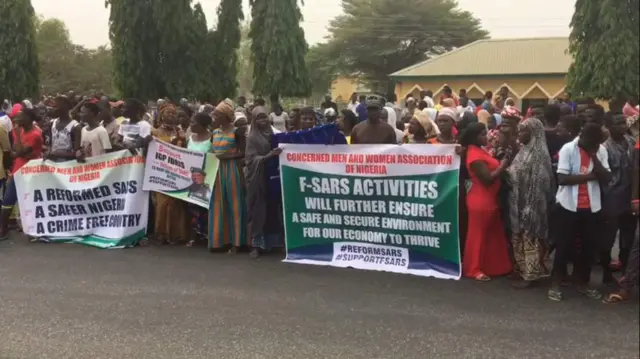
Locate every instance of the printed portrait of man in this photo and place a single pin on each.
(199, 190)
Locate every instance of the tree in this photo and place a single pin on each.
(227, 39)
(374, 38)
(135, 47)
(278, 48)
(605, 49)
(65, 66)
(19, 58)
(245, 63)
(323, 68)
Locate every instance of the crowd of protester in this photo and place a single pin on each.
(562, 177)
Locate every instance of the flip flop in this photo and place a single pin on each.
(614, 298)
(481, 277)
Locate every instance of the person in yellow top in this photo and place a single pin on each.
(170, 222)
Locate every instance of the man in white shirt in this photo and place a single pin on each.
(582, 168)
(134, 132)
(353, 103)
(94, 137)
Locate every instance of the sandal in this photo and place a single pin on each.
(614, 298)
(590, 293)
(190, 243)
(481, 277)
(555, 294)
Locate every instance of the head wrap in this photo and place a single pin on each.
(258, 110)
(448, 112)
(429, 101)
(510, 111)
(329, 112)
(166, 110)
(27, 104)
(483, 116)
(630, 111)
(426, 123)
(391, 116)
(225, 108)
(449, 102)
(15, 110)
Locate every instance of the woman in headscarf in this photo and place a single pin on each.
(446, 122)
(170, 219)
(388, 115)
(420, 129)
(262, 211)
(227, 212)
(531, 178)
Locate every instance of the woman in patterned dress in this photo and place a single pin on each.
(531, 192)
(227, 210)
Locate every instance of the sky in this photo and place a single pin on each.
(87, 20)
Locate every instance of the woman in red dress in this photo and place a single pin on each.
(485, 252)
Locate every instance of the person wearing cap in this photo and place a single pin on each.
(330, 115)
(373, 130)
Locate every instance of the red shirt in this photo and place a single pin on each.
(480, 196)
(32, 139)
(583, 192)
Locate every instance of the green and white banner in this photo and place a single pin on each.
(99, 203)
(374, 207)
(179, 173)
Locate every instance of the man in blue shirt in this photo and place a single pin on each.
(361, 109)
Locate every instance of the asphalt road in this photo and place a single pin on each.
(70, 301)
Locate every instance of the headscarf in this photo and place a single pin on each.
(15, 110)
(630, 111)
(449, 102)
(426, 122)
(258, 145)
(532, 183)
(28, 104)
(483, 117)
(391, 116)
(511, 111)
(429, 101)
(225, 108)
(167, 109)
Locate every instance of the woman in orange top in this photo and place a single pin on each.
(485, 252)
(170, 221)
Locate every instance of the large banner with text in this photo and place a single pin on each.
(99, 202)
(180, 173)
(383, 207)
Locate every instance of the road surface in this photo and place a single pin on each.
(69, 301)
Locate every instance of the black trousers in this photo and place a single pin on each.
(581, 223)
(625, 223)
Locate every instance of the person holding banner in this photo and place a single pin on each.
(27, 145)
(227, 212)
(169, 220)
(485, 253)
(373, 130)
(261, 209)
(199, 141)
